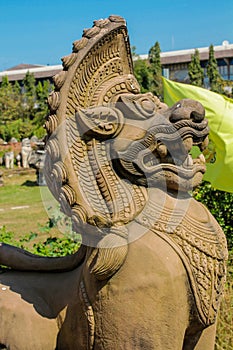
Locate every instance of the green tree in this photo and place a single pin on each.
(141, 71)
(16, 128)
(155, 69)
(29, 96)
(195, 71)
(9, 100)
(133, 52)
(23, 108)
(16, 88)
(42, 91)
(213, 74)
(9, 107)
(142, 74)
(5, 82)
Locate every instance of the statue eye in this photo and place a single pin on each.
(148, 106)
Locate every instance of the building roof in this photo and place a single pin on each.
(181, 56)
(24, 66)
(39, 72)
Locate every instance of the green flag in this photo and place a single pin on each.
(219, 112)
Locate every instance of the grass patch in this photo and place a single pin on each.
(21, 206)
(224, 338)
(51, 246)
(24, 220)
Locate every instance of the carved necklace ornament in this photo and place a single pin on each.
(201, 247)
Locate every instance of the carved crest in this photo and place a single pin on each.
(82, 117)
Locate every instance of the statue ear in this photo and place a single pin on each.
(100, 122)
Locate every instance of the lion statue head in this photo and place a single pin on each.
(108, 143)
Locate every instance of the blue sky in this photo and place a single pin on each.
(42, 31)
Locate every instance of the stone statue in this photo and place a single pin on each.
(151, 268)
(25, 152)
(36, 161)
(9, 160)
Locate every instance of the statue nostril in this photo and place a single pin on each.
(197, 117)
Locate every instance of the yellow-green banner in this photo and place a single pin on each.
(219, 112)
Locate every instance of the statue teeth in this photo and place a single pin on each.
(162, 150)
(188, 161)
(202, 158)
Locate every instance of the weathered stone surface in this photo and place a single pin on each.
(151, 268)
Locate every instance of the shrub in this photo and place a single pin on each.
(52, 246)
(220, 204)
(224, 336)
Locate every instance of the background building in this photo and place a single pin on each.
(174, 64)
(40, 73)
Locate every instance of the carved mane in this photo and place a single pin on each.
(79, 174)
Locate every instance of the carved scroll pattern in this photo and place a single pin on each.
(99, 68)
(82, 165)
(102, 72)
(102, 64)
(87, 307)
(106, 194)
